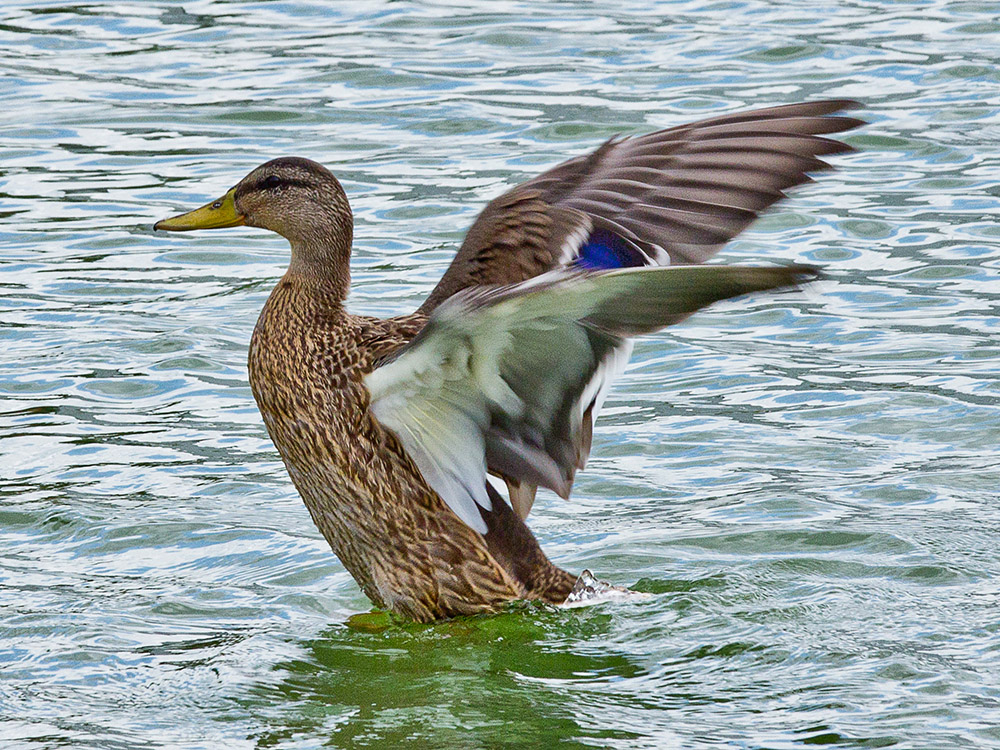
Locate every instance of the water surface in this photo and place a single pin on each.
(806, 483)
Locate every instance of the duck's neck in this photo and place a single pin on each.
(321, 257)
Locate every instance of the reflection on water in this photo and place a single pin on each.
(492, 677)
(805, 483)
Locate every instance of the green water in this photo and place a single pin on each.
(806, 483)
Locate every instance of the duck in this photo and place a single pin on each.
(418, 442)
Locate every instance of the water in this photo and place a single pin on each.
(805, 483)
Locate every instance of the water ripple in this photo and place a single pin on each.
(805, 483)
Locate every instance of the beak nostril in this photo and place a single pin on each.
(217, 204)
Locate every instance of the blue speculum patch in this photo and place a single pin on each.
(606, 250)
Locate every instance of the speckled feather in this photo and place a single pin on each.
(399, 540)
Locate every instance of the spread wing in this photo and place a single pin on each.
(673, 196)
(501, 378)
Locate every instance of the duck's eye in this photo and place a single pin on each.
(271, 181)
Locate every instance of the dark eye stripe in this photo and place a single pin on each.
(272, 181)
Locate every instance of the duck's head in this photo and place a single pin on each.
(295, 197)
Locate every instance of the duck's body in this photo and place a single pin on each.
(399, 540)
(389, 427)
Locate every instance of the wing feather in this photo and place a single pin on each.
(742, 161)
(506, 379)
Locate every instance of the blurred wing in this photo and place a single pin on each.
(500, 379)
(673, 196)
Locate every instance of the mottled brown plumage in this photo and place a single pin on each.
(403, 533)
(402, 544)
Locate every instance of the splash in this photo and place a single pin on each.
(589, 590)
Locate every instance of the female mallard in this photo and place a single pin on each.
(388, 428)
